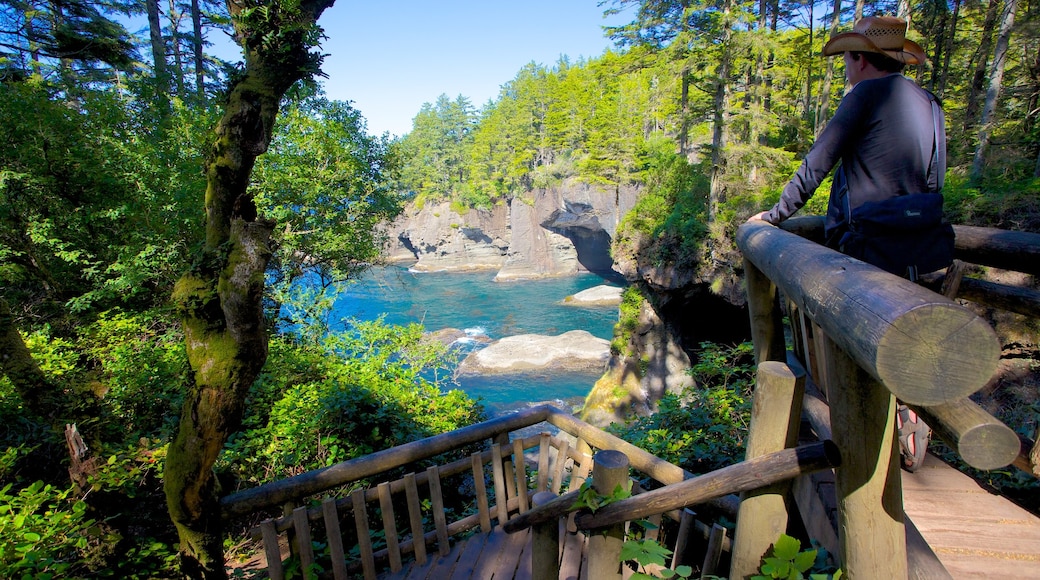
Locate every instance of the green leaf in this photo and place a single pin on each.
(805, 560)
(631, 550)
(787, 547)
(684, 571)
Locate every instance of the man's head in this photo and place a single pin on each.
(880, 39)
(861, 66)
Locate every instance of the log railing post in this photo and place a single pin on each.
(545, 542)
(609, 470)
(871, 536)
(767, 330)
(775, 417)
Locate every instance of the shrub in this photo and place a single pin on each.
(45, 532)
(357, 392)
(703, 428)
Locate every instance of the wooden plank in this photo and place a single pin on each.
(559, 467)
(815, 497)
(578, 477)
(543, 463)
(440, 567)
(573, 548)
(524, 568)
(303, 536)
(386, 507)
(507, 465)
(581, 472)
(439, 521)
(974, 533)
(713, 554)
(521, 475)
(480, 489)
(468, 557)
(368, 564)
(415, 518)
(654, 532)
(509, 548)
(820, 346)
(682, 538)
(272, 550)
(499, 478)
(335, 538)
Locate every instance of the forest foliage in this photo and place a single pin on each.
(708, 107)
(705, 107)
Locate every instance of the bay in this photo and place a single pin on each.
(475, 303)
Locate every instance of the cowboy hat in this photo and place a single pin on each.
(882, 34)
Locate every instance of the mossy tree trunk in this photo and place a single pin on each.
(18, 365)
(219, 298)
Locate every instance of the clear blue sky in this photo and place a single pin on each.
(389, 57)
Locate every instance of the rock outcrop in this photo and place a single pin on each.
(656, 364)
(564, 230)
(436, 238)
(596, 296)
(558, 231)
(577, 350)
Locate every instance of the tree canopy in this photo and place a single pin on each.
(158, 207)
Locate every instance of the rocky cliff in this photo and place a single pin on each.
(573, 228)
(557, 231)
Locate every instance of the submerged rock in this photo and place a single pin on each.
(577, 350)
(596, 296)
(451, 336)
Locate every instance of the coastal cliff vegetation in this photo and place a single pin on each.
(154, 218)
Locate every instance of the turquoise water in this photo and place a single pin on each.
(473, 302)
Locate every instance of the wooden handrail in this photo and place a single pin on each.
(755, 473)
(318, 480)
(747, 475)
(655, 467)
(982, 440)
(922, 346)
(1019, 251)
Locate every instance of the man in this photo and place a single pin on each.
(888, 134)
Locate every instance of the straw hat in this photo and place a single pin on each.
(882, 34)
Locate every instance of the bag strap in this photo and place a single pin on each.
(938, 148)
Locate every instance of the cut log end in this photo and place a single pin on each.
(936, 354)
(989, 446)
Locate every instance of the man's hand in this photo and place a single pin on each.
(760, 216)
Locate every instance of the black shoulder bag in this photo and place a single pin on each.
(906, 234)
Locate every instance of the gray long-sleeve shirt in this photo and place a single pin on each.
(883, 134)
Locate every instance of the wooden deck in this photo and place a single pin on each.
(975, 534)
(494, 556)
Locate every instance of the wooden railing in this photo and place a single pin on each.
(865, 337)
(520, 467)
